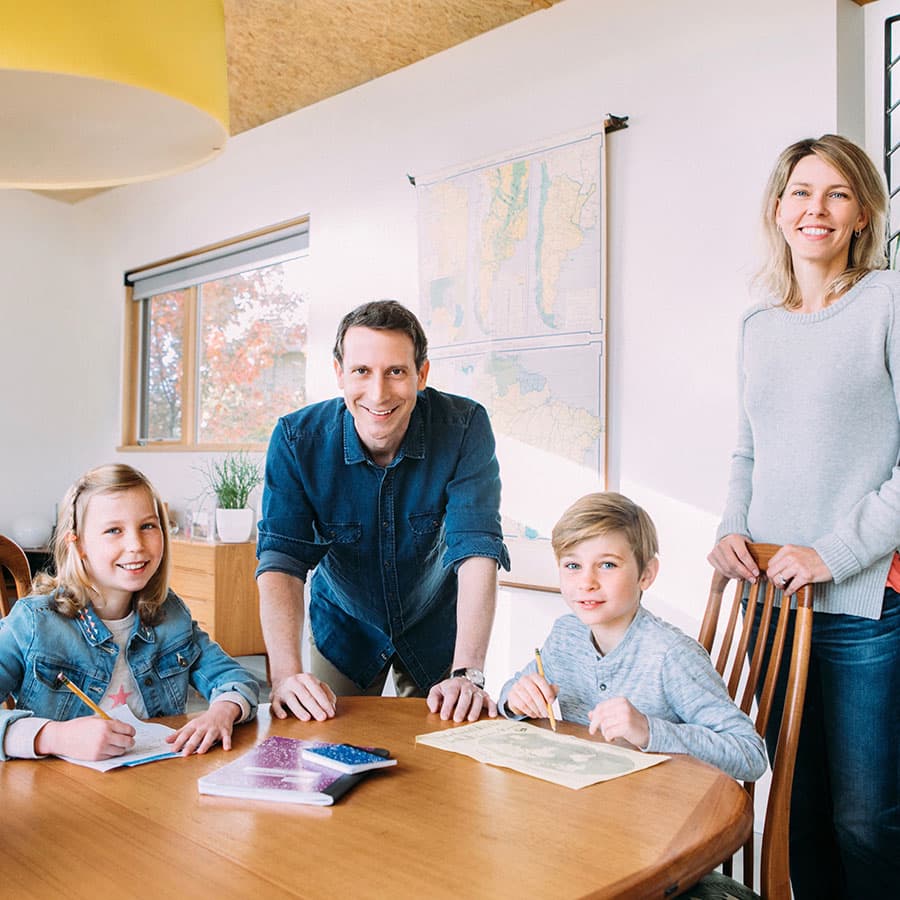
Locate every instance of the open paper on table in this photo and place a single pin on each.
(149, 744)
(561, 758)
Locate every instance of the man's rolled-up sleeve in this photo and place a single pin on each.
(473, 498)
(287, 540)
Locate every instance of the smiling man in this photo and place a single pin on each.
(391, 494)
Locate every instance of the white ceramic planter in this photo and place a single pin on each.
(234, 525)
(31, 531)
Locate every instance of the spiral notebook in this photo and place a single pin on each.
(277, 771)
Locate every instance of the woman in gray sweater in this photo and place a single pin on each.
(816, 470)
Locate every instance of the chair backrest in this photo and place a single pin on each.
(756, 675)
(13, 560)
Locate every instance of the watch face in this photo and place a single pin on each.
(476, 676)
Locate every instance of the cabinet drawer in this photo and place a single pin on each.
(192, 582)
(204, 611)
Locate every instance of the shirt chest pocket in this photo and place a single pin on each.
(344, 550)
(427, 531)
(173, 668)
(46, 696)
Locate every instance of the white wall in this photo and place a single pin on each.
(714, 91)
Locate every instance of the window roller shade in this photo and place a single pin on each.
(252, 253)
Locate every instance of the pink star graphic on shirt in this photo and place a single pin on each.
(120, 697)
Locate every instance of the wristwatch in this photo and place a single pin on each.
(476, 676)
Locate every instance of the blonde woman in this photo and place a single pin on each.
(816, 470)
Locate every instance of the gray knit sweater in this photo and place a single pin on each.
(816, 462)
(664, 674)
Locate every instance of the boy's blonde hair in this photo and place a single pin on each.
(602, 513)
(71, 582)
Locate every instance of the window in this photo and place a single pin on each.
(892, 132)
(216, 343)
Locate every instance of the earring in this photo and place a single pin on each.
(858, 232)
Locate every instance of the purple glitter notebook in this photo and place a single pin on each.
(275, 770)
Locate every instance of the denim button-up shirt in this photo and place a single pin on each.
(385, 542)
(37, 643)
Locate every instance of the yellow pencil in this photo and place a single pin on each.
(80, 693)
(540, 668)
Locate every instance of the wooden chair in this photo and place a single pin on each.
(756, 675)
(14, 561)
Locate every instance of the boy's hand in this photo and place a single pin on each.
(89, 737)
(530, 695)
(618, 720)
(207, 729)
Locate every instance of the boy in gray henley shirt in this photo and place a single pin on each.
(616, 667)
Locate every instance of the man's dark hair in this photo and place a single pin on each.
(383, 315)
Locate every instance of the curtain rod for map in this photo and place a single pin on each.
(610, 124)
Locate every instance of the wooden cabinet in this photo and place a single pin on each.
(216, 581)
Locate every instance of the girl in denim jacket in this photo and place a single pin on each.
(110, 624)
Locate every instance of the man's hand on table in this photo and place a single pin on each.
(459, 699)
(304, 696)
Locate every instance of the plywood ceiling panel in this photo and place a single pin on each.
(287, 54)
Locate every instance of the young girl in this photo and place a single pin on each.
(110, 624)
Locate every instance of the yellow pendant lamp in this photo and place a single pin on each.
(95, 93)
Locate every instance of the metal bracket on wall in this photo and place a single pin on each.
(614, 123)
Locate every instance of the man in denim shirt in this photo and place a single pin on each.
(392, 495)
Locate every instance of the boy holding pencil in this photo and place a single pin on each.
(617, 668)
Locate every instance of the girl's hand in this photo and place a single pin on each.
(732, 559)
(792, 567)
(618, 720)
(90, 738)
(530, 695)
(207, 729)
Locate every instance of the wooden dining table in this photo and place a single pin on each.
(436, 825)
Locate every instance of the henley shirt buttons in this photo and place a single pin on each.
(602, 687)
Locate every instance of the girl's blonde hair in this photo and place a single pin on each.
(868, 250)
(71, 583)
(602, 513)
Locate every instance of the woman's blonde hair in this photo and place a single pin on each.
(602, 513)
(867, 250)
(71, 583)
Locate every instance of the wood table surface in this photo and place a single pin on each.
(438, 825)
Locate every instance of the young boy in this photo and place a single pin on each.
(616, 667)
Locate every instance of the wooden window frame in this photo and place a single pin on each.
(132, 376)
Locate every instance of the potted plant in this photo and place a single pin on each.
(232, 480)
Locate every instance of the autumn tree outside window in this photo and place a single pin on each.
(216, 342)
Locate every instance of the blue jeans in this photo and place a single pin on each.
(845, 808)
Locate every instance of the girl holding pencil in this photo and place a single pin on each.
(106, 631)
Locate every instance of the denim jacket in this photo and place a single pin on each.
(37, 643)
(385, 542)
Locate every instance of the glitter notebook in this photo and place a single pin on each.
(276, 770)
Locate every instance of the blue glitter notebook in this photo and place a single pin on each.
(347, 758)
